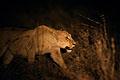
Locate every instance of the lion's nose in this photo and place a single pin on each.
(74, 43)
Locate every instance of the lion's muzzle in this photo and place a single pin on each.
(69, 49)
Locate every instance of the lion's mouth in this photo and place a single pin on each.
(66, 49)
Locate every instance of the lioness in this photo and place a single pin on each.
(28, 43)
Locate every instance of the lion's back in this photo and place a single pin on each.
(8, 34)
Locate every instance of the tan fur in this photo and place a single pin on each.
(40, 40)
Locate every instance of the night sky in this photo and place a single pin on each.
(8, 9)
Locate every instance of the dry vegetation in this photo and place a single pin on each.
(92, 59)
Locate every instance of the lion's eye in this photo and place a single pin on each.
(67, 37)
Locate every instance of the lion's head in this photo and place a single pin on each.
(65, 40)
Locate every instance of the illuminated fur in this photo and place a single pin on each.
(41, 40)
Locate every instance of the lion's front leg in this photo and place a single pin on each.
(57, 57)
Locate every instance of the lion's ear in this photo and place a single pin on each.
(63, 29)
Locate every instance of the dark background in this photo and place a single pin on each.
(17, 14)
(9, 9)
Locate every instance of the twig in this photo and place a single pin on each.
(90, 19)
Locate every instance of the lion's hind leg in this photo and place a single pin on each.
(7, 58)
